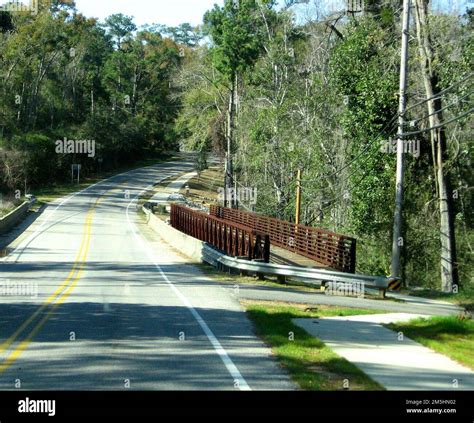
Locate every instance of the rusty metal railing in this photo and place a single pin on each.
(333, 250)
(232, 238)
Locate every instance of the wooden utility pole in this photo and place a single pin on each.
(298, 198)
(397, 241)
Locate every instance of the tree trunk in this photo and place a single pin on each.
(449, 277)
(229, 138)
(92, 101)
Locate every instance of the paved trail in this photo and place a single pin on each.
(398, 363)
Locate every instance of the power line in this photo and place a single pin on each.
(384, 129)
(437, 96)
(445, 107)
(373, 153)
(333, 199)
(392, 121)
(440, 125)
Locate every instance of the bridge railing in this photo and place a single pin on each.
(232, 238)
(333, 250)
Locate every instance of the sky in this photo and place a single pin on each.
(166, 12)
(175, 12)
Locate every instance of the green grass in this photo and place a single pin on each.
(310, 363)
(464, 298)
(53, 192)
(447, 335)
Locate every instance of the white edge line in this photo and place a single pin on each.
(22, 246)
(221, 352)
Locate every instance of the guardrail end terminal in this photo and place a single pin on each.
(394, 284)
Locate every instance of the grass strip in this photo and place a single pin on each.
(447, 335)
(310, 363)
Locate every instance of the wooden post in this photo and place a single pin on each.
(298, 199)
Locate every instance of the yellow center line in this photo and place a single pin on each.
(51, 299)
(79, 266)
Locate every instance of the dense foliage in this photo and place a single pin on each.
(65, 76)
(318, 95)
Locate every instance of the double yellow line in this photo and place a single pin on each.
(53, 302)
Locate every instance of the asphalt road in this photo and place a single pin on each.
(88, 303)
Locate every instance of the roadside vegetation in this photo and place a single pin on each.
(451, 336)
(7, 206)
(464, 298)
(68, 77)
(310, 363)
(320, 94)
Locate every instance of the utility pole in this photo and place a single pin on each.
(397, 242)
(298, 198)
(226, 191)
(229, 171)
(236, 195)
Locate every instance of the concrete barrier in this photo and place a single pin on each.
(191, 247)
(11, 219)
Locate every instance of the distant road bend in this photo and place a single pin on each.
(115, 312)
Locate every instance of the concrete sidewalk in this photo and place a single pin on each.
(172, 187)
(395, 364)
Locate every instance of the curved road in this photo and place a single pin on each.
(89, 304)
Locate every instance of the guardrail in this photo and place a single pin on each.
(325, 247)
(209, 254)
(308, 275)
(234, 239)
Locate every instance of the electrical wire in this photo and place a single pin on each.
(440, 125)
(445, 107)
(394, 119)
(437, 96)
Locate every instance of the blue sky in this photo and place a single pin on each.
(167, 12)
(174, 12)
